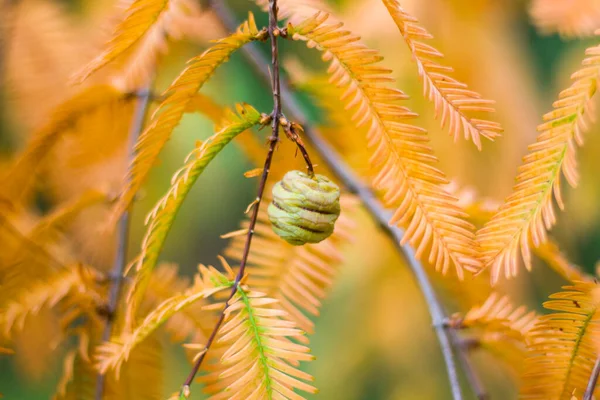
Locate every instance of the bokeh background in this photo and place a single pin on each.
(373, 339)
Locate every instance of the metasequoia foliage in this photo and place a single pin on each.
(259, 359)
(140, 17)
(529, 211)
(563, 345)
(247, 327)
(141, 376)
(452, 99)
(192, 322)
(140, 46)
(207, 282)
(400, 151)
(71, 282)
(66, 116)
(179, 95)
(161, 218)
(328, 98)
(71, 385)
(41, 48)
(57, 220)
(497, 326)
(31, 250)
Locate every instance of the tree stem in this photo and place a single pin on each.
(273, 139)
(116, 275)
(589, 391)
(463, 358)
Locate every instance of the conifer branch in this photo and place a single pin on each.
(462, 351)
(447, 338)
(276, 115)
(116, 275)
(589, 391)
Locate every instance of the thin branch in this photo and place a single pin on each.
(273, 139)
(463, 348)
(589, 391)
(291, 131)
(381, 215)
(116, 275)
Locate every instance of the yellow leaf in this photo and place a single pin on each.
(400, 152)
(562, 349)
(180, 96)
(19, 178)
(528, 212)
(452, 99)
(161, 217)
(255, 353)
(112, 355)
(140, 17)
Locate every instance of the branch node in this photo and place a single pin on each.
(186, 391)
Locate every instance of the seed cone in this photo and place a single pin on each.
(304, 209)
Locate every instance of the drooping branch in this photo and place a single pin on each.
(446, 337)
(462, 347)
(137, 125)
(276, 115)
(589, 391)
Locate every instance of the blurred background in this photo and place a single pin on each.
(373, 339)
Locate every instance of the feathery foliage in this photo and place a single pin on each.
(66, 116)
(498, 310)
(328, 98)
(75, 280)
(451, 98)
(259, 359)
(24, 263)
(140, 17)
(78, 381)
(63, 214)
(41, 48)
(528, 212)
(141, 377)
(161, 218)
(190, 322)
(179, 95)
(500, 328)
(248, 330)
(401, 152)
(142, 62)
(112, 355)
(562, 349)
